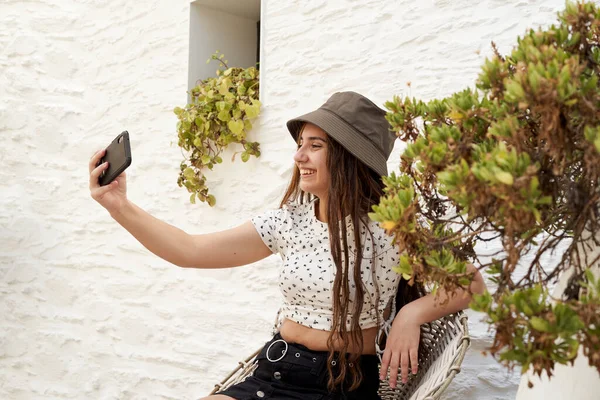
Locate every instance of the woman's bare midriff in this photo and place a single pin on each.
(316, 339)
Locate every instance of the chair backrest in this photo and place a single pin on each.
(443, 347)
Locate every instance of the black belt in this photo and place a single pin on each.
(278, 350)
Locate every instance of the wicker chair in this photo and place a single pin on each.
(443, 347)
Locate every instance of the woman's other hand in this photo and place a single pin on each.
(112, 196)
(401, 349)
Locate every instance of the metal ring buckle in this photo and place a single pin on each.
(282, 353)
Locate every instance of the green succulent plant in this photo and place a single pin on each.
(516, 159)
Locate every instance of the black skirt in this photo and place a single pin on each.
(288, 371)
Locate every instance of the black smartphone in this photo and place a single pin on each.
(118, 155)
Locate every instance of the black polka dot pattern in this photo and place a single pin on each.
(306, 279)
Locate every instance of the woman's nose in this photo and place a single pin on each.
(300, 156)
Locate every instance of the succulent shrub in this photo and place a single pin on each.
(514, 160)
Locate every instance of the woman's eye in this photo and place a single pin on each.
(312, 146)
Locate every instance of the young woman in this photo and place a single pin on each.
(337, 279)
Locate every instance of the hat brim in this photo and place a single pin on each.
(343, 133)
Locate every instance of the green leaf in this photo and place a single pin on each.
(211, 200)
(199, 123)
(189, 173)
(220, 105)
(245, 156)
(236, 127)
(252, 111)
(404, 267)
(534, 80)
(571, 102)
(224, 86)
(514, 91)
(224, 116)
(481, 302)
(504, 177)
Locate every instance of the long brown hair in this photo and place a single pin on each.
(354, 188)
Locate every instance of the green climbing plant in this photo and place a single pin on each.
(219, 114)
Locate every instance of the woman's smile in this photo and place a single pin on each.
(306, 173)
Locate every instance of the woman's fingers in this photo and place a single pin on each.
(404, 365)
(100, 191)
(400, 360)
(385, 363)
(414, 360)
(95, 158)
(394, 364)
(95, 174)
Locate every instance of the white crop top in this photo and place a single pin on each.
(306, 279)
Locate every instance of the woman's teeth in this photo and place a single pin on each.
(305, 172)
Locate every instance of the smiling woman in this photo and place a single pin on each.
(337, 278)
(311, 160)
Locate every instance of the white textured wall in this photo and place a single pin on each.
(85, 311)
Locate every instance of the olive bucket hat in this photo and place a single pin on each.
(356, 123)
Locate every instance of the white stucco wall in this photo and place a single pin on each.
(87, 312)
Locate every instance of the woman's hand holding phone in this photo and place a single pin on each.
(113, 196)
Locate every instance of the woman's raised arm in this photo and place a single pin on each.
(230, 248)
(225, 249)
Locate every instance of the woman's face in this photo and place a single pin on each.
(311, 160)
